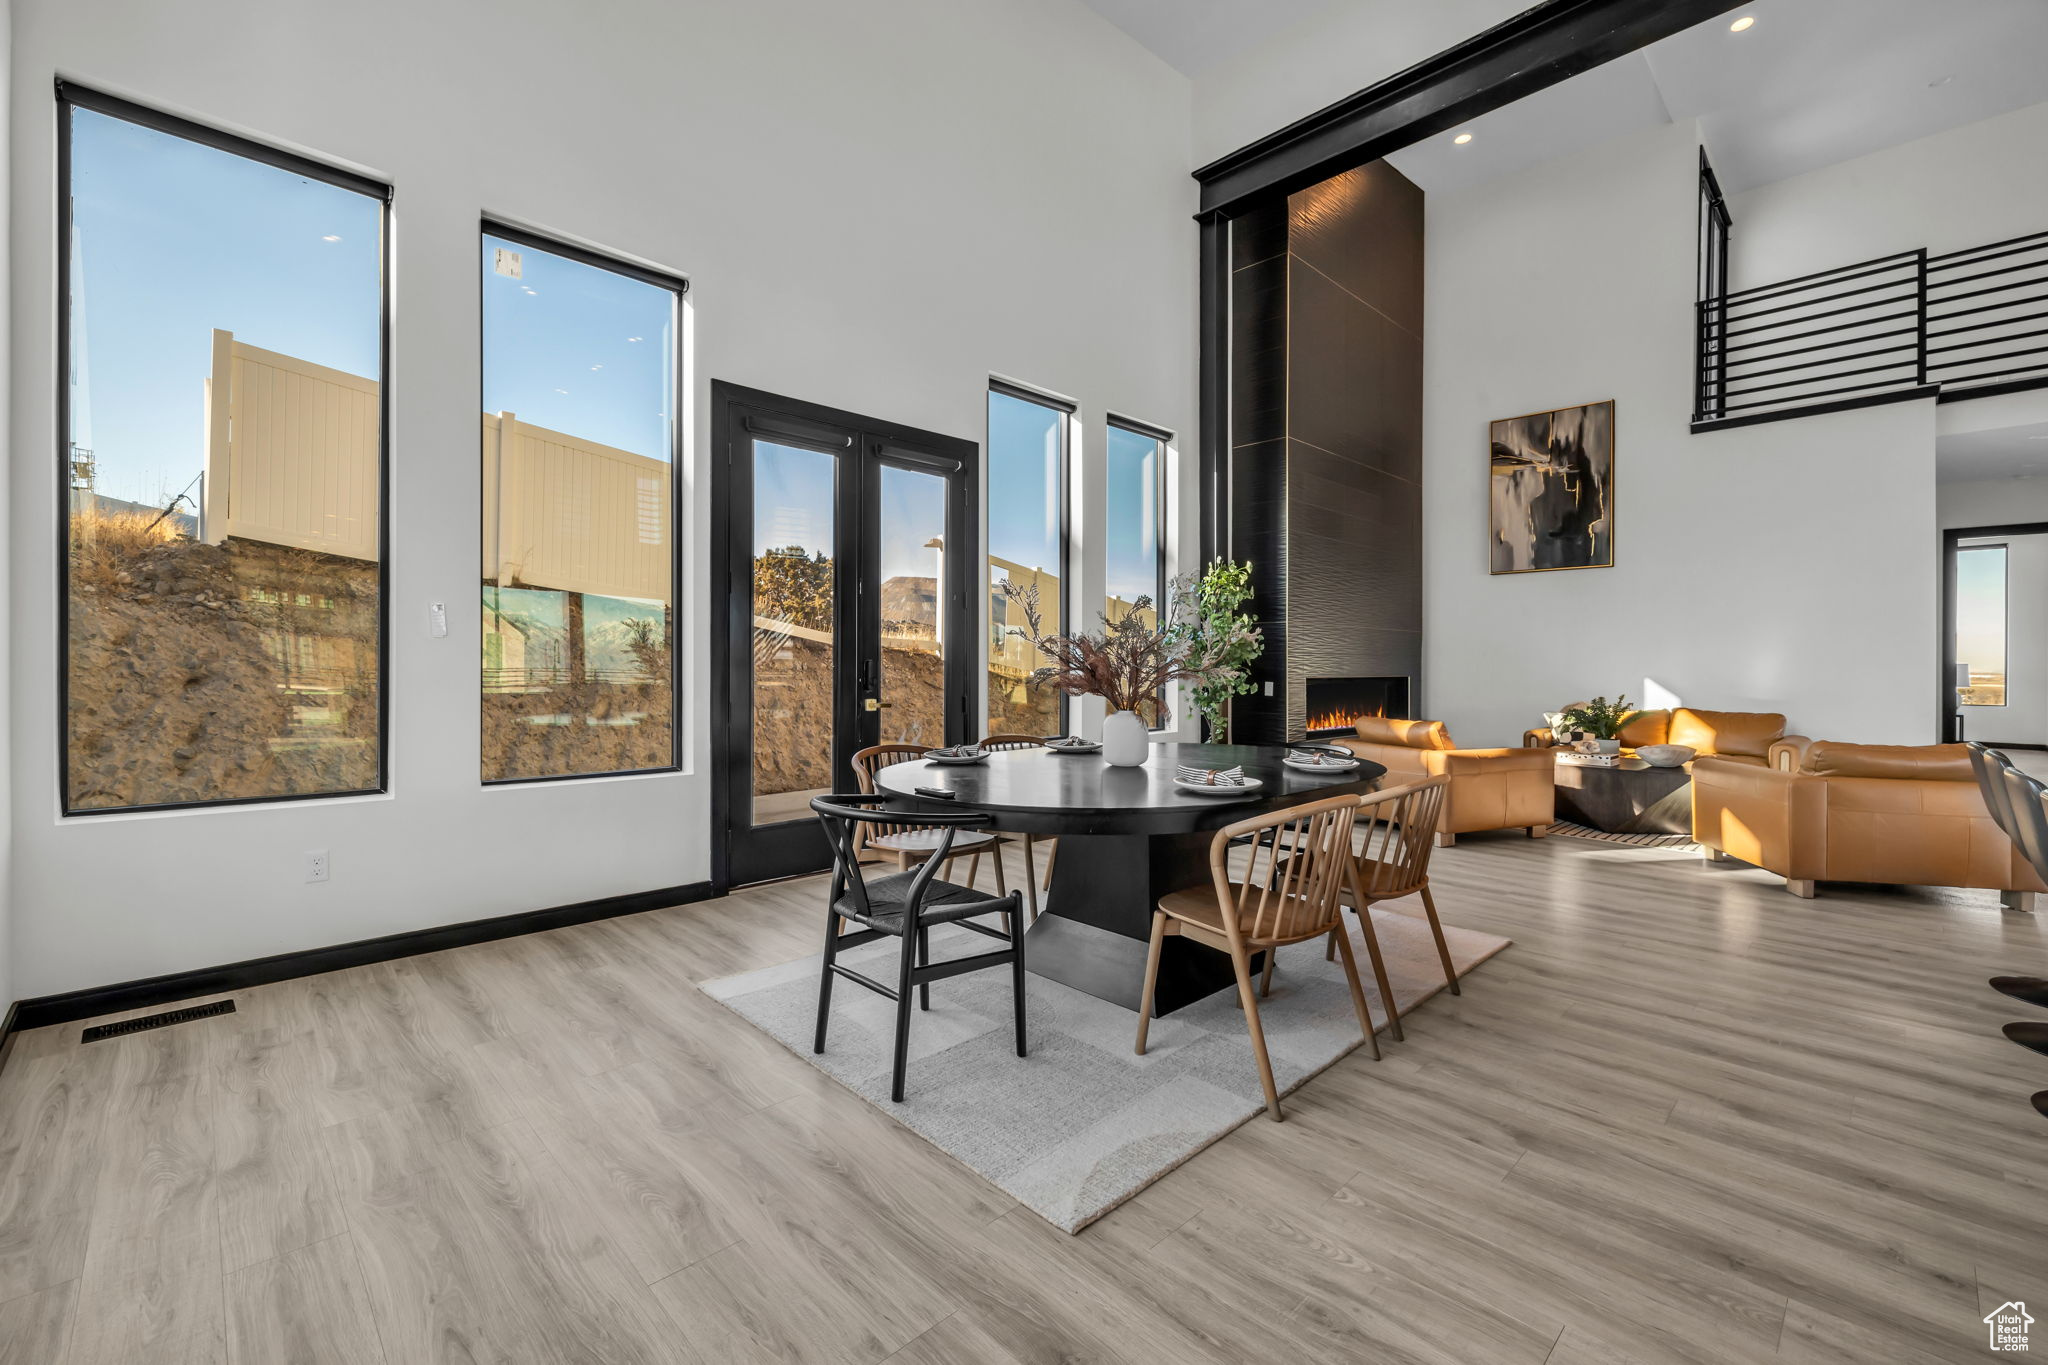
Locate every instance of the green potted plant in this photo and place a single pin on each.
(1212, 623)
(1598, 720)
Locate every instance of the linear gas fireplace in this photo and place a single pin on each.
(1337, 704)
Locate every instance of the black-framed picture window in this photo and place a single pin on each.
(580, 380)
(224, 327)
(1029, 467)
(1134, 530)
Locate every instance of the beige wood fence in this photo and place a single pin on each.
(565, 513)
(291, 452)
(291, 459)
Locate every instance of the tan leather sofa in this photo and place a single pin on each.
(1831, 812)
(1489, 789)
(1745, 736)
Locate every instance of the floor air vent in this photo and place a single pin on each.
(150, 1021)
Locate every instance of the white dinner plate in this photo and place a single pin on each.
(1075, 748)
(1250, 784)
(1331, 767)
(956, 760)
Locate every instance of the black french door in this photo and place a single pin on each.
(845, 550)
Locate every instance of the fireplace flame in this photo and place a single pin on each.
(1343, 720)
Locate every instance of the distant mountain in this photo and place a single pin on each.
(911, 601)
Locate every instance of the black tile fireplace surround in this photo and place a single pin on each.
(1337, 704)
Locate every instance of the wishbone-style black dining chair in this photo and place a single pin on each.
(907, 905)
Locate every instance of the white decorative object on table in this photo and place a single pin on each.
(1666, 755)
(1124, 742)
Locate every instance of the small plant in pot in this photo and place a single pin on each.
(1127, 663)
(1209, 617)
(1598, 720)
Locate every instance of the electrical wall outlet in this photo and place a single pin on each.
(1269, 689)
(316, 864)
(437, 619)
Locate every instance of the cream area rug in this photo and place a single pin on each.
(1084, 1123)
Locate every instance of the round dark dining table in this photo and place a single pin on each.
(1127, 837)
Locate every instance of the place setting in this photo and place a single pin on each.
(957, 755)
(1215, 781)
(1319, 758)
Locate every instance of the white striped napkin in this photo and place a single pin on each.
(1210, 777)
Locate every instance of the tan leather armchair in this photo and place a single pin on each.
(1489, 788)
(1744, 736)
(1826, 811)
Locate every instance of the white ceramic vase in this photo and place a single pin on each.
(1124, 744)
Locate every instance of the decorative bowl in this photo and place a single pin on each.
(1665, 755)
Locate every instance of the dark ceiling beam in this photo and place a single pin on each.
(1537, 48)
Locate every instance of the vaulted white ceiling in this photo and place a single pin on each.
(2019, 452)
(1197, 36)
(1809, 84)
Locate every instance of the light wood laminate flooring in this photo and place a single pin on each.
(1686, 1118)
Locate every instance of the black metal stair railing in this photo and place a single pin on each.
(1893, 327)
(1972, 323)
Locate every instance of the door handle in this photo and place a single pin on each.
(871, 704)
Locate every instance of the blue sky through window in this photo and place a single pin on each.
(579, 350)
(1131, 509)
(1980, 608)
(1024, 482)
(172, 239)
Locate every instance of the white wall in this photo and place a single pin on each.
(1320, 60)
(1966, 187)
(1786, 567)
(878, 204)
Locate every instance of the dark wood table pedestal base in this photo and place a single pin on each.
(1631, 797)
(1098, 922)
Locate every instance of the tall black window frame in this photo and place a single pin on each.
(2004, 551)
(71, 97)
(1711, 377)
(1162, 488)
(1066, 408)
(679, 287)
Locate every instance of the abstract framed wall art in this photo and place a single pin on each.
(1552, 490)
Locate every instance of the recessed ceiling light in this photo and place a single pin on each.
(633, 338)
(1462, 138)
(330, 237)
(1939, 81)
(1740, 24)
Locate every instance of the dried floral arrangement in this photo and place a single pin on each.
(1127, 663)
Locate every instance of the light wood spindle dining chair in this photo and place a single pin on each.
(1300, 861)
(910, 843)
(1393, 862)
(1011, 743)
